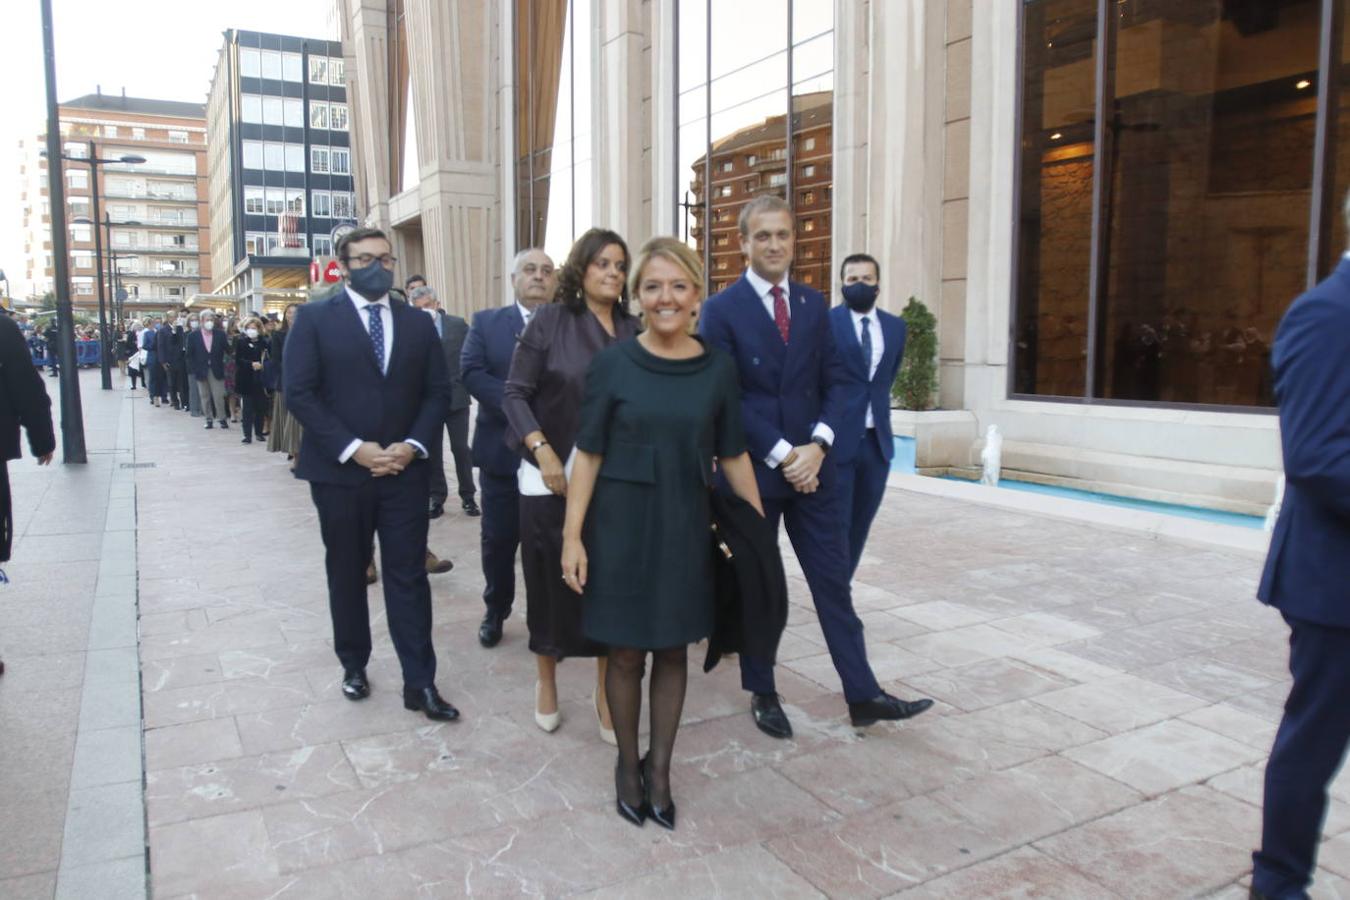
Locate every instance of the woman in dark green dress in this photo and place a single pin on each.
(658, 409)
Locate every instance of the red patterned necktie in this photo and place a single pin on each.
(780, 313)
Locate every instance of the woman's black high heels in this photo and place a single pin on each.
(663, 817)
(635, 814)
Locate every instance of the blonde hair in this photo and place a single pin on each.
(672, 250)
(676, 252)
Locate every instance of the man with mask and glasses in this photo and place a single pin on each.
(365, 375)
(871, 344)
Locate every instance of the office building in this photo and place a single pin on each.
(159, 232)
(279, 164)
(1107, 205)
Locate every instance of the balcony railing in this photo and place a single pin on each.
(122, 249)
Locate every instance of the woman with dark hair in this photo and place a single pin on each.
(542, 403)
(285, 433)
(248, 381)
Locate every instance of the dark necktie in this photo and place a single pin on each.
(376, 333)
(780, 313)
(866, 341)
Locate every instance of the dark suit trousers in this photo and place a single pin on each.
(822, 549)
(1309, 749)
(395, 507)
(457, 424)
(862, 484)
(178, 383)
(500, 538)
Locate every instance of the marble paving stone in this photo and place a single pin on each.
(1335, 855)
(1245, 728)
(1267, 703)
(749, 871)
(1036, 799)
(889, 662)
(192, 743)
(1329, 886)
(717, 748)
(1003, 736)
(36, 847)
(1054, 661)
(1205, 678)
(107, 756)
(1043, 629)
(960, 646)
(210, 853)
(895, 847)
(1121, 703)
(1120, 610)
(1019, 875)
(226, 698)
(211, 789)
(1164, 756)
(941, 615)
(180, 672)
(1184, 844)
(987, 683)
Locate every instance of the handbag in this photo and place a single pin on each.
(271, 376)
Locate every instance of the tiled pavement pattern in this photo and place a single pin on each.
(1105, 704)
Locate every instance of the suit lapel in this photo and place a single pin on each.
(852, 347)
(799, 329)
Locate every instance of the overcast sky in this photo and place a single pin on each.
(161, 49)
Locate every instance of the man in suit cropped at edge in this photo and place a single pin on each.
(452, 331)
(871, 343)
(365, 376)
(484, 365)
(793, 392)
(1307, 578)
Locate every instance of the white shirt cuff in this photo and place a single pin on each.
(778, 454)
(417, 446)
(351, 449)
(824, 431)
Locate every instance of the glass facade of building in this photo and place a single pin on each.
(1179, 169)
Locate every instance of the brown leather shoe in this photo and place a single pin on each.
(372, 573)
(436, 565)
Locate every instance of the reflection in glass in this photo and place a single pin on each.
(1211, 149)
(1055, 231)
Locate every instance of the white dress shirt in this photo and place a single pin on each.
(387, 320)
(762, 287)
(878, 347)
(525, 313)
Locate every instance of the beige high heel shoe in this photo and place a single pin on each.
(606, 734)
(549, 722)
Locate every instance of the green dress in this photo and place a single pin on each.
(658, 423)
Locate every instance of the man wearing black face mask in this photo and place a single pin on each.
(365, 375)
(871, 343)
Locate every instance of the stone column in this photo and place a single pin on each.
(621, 134)
(365, 42)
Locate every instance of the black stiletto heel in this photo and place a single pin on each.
(663, 817)
(635, 814)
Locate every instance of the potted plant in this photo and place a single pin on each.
(942, 438)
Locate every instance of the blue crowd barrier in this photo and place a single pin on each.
(86, 353)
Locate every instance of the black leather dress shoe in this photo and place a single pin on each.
(663, 816)
(634, 814)
(354, 684)
(428, 700)
(210, 424)
(470, 508)
(490, 631)
(436, 510)
(769, 715)
(886, 709)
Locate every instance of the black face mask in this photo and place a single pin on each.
(860, 296)
(372, 282)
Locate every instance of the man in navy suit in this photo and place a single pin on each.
(793, 396)
(484, 364)
(365, 375)
(1307, 578)
(206, 362)
(871, 343)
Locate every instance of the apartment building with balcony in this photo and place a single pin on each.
(156, 245)
(279, 163)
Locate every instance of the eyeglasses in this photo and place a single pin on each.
(366, 259)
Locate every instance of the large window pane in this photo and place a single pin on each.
(1055, 214)
(1209, 197)
(812, 141)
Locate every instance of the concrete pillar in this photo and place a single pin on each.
(365, 41)
(622, 133)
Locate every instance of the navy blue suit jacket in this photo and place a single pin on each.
(150, 344)
(1307, 574)
(785, 388)
(483, 365)
(862, 391)
(200, 361)
(335, 389)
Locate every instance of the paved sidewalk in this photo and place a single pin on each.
(1106, 702)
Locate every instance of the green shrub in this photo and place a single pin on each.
(916, 381)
